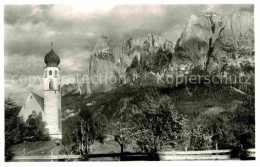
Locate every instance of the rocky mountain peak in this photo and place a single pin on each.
(103, 43)
(103, 49)
(149, 41)
(209, 41)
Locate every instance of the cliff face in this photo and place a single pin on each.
(109, 64)
(143, 54)
(103, 72)
(234, 48)
(68, 89)
(80, 86)
(141, 47)
(209, 43)
(217, 44)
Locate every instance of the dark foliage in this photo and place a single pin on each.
(130, 109)
(18, 131)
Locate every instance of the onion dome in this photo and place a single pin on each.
(52, 59)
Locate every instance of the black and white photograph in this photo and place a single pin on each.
(128, 82)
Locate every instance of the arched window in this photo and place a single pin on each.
(55, 73)
(59, 87)
(45, 73)
(50, 72)
(50, 85)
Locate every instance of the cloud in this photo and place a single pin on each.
(29, 30)
(249, 8)
(19, 92)
(75, 62)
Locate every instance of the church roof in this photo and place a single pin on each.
(39, 99)
(52, 59)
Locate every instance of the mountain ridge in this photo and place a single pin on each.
(209, 43)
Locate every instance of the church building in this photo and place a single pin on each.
(49, 105)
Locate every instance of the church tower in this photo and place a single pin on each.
(52, 94)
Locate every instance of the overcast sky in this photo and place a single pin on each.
(75, 29)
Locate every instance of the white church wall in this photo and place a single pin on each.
(52, 100)
(51, 109)
(29, 106)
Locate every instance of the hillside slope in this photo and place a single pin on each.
(36, 148)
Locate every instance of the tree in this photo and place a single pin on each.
(230, 130)
(155, 125)
(198, 141)
(35, 128)
(12, 133)
(81, 131)
(18, 131)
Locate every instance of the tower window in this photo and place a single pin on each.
(55, 73)
(45, 73)
(51, 85)
(50, 72)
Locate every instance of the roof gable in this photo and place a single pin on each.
(33, 102)
(39, 99)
